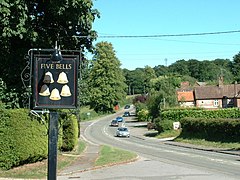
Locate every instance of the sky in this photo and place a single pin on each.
(168, 17)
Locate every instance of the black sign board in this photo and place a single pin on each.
(55, 82)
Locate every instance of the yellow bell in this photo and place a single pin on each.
(62, 78)
(65, 91)
(55, 96)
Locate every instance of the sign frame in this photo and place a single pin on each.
(46, 75)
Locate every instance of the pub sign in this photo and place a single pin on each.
(55, 82)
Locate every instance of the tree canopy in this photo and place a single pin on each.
(106, 81)
(39, 24)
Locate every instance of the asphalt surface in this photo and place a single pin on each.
(86, 161)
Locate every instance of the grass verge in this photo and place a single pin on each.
(111, 155)
(195, 141)
(212, 144)
(163, 135)
(38, 170)
(108, 155)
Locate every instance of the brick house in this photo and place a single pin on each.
(221, 96)
(186, 98)
(185, 95)
(210, 97)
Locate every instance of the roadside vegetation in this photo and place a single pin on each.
(209, 144)
(38, 170)
(108, 156)
(218, 128)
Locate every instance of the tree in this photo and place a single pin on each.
(225, 67)
(193, 66)
(38, 24)
(189, 79)
(208, 71)
(84, 94)
(149, 74)
(164, 87)
(154, 103)
(134, 80)
(161, 70)
(106, 81)
(127, 75)
(180, 67)
(236, 67)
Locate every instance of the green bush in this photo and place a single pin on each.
(70, 132)
(139, 106)
(22, 139)
(178, 114)
(175, 115)
(143, 115)
(224, 130)
(163, 125)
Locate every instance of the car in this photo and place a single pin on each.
(119, 119)
(122, 132)
(127, 106)
(126, 114)
(114, 123)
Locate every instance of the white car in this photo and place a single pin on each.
(122, 132)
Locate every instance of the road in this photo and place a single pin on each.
(156, 159)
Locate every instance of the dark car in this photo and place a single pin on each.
(126, 114)
(127, 106)
(114, 123)
(119, 119)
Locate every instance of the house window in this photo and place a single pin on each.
(216, 103)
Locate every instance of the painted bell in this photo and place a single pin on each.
(62, 78)
(55, 96)
(65, 91)
(44, 91)
(48, 77)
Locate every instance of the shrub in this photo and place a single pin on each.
(178, 114)
(70, 132)
(139, 106)
(163, 125)
(211, 129)
(22, 139)
(143, 115)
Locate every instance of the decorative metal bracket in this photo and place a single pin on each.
(26, 73)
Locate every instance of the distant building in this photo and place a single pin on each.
(210, 97)
(185, 95)
(186, 98)
(221, 96)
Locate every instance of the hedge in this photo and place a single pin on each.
(175, 115)
(22, 138)
(178, 114)
(70, 132)
(224, 130)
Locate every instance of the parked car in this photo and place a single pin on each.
(119, 119)
(122, 132)
(126, 114)
(127, 106)
(114, 123)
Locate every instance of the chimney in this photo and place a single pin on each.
(220, 81)
(235, 89)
